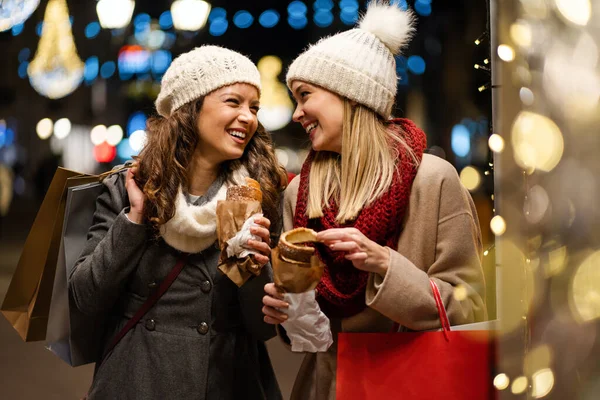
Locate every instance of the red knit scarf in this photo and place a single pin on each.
(341, 291)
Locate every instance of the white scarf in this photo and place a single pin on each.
(194, 228)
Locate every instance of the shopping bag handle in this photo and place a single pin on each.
(440, 306)
(441, 311)
(115, 170)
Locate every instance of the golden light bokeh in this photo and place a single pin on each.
(537, 141)
(56, 69)
(542, 383)
(470, 178)
(584, 296)
(575, 11)
(498, 225)
(501, 381)
(496, 143)
(460, 293)
(519, 385)
(506, 53)
(44, 128)
(557, 261)
(520, 33)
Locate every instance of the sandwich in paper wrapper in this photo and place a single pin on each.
(297, 271)
(235, 216)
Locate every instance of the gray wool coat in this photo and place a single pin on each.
(204, 339)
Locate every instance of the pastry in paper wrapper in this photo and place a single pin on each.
(242, 202)
(296, 267)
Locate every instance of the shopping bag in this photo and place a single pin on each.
(447, 364)
(27, 301)
(72, 335)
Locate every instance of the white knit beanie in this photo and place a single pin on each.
(200, 71)
(359, 64)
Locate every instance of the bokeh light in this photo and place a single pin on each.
(542, 383)
(575, 11)
(268, 18)
(501, 381)
(584, 294)
(98, 134)
(470, 178)
(62, 128)
(498, 225)
(537, 141)
(460, 140)
(114, 134)
(44, 128)
(506, 53)
(496, 143)
(519, 385)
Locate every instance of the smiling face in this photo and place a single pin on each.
(226, 122)
(321, 114)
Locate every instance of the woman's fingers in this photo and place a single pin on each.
(263, 221)
(359, 256)
(263, 233)
(262, 247)
(275, 314)
(345, 246)
(273, 321)
(271, 301)
(262, 260)
(273, 291)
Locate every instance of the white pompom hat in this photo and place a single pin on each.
(359, 64)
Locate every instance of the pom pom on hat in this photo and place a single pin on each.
(393, 26)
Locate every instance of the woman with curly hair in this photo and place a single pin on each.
(204, 338)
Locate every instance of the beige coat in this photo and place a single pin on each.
(441, 239)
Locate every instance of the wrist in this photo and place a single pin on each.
(385, 261)
(134, 216)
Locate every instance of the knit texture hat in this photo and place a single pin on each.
(199, 72)
(359, 64)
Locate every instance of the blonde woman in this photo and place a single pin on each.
(390, 216)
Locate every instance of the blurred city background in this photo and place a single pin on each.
(78, 81)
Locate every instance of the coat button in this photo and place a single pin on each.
(205, 286)
(152, 285)
(150, 324)
(202, 328)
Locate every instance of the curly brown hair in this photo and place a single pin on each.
(170, 146)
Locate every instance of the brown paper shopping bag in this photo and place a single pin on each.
(27, 302)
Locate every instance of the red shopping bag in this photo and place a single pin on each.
(449, 365)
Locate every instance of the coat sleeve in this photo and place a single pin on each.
(404, 293)
(112, 251)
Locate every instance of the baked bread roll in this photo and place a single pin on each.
(291, 248)
(249, 192)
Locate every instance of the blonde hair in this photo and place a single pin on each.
(362, 172)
